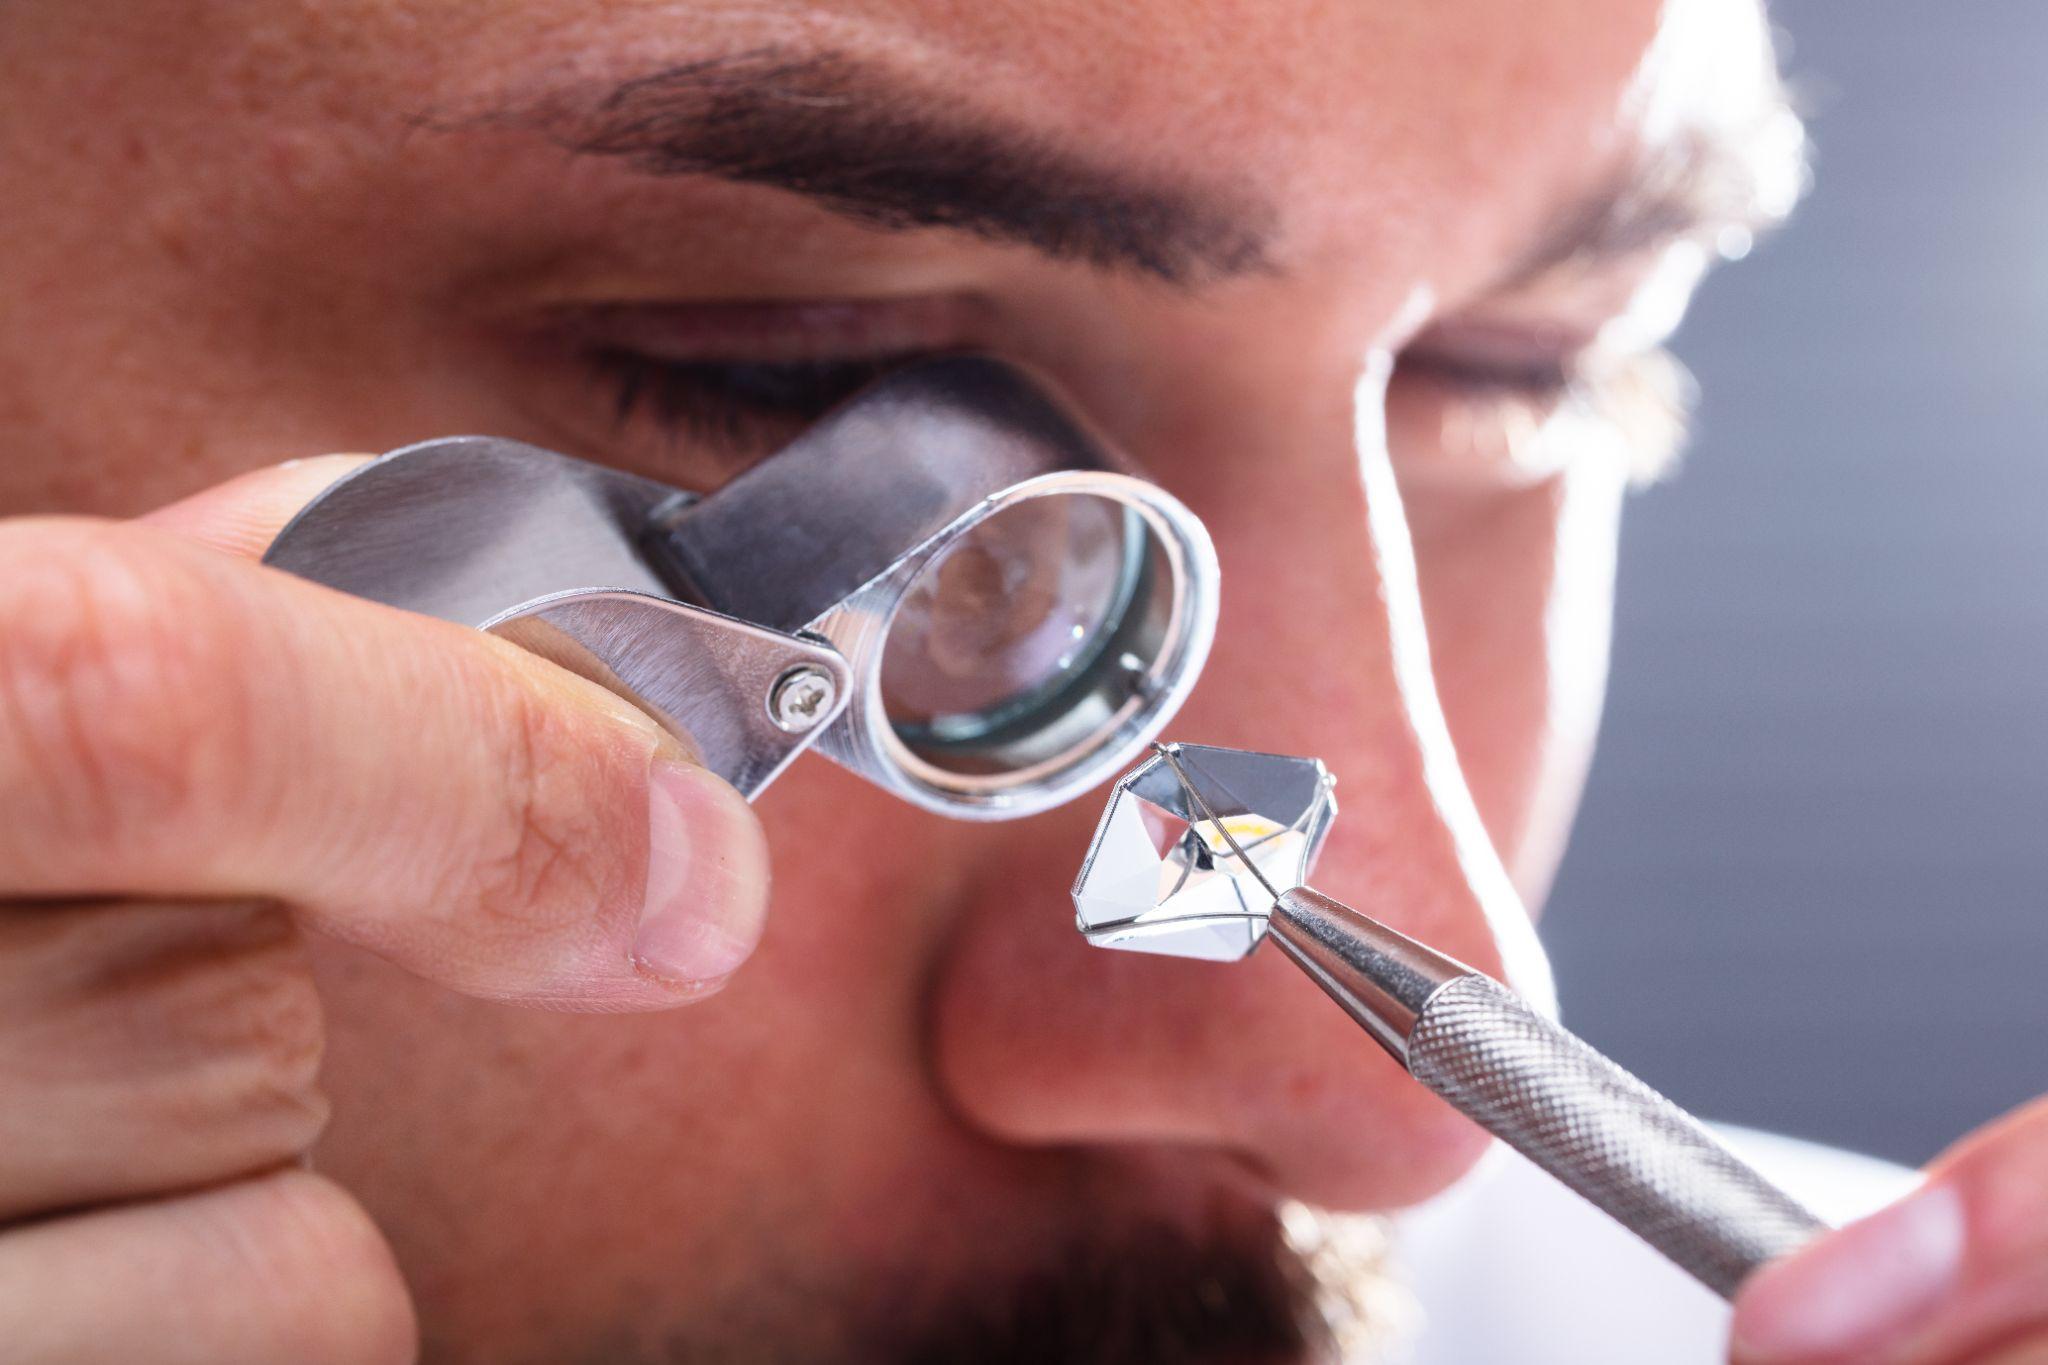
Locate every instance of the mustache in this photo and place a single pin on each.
(1153, 1295)
(1303, 1287)
(1310, 1287)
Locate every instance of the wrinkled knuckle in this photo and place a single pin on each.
(223, 1002)
(119, 695)
(262, 1023)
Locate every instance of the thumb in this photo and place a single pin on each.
(1955, 1272)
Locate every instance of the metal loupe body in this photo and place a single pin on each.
(945, 585)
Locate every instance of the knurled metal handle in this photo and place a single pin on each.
(1650, 1165)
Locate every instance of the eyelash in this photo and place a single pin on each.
(1645, 398)
(729, 401)
(1538, 381)
(734, 408)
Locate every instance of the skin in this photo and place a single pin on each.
(297, 879)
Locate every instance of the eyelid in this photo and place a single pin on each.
(1500, 355)
(1522, 390)
(773, 331)
(732, 412)
(713, 385)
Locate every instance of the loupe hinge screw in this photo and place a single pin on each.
(801, 698)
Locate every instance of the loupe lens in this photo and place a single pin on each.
(1036, 628)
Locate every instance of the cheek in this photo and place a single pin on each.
(789, 1112)
(1517, 593)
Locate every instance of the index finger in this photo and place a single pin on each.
(242, 516)
(174, 723)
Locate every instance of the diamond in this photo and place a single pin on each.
(1162, 877)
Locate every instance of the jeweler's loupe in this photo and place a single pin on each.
(945, 585)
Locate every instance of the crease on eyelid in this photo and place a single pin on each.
(1632, 409)
(731, 413)
(715, 385)
(769, 331)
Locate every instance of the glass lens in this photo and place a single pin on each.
(1021, 609)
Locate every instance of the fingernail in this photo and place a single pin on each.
(1857, 1291)
(707, 875)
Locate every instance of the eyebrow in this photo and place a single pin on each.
(1719, 185)
(894, 157)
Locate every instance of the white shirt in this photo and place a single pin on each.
(1511, 1268)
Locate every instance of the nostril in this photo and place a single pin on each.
(1040, 1041)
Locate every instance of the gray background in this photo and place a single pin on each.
(1809, 887)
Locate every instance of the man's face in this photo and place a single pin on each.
(926, 1120)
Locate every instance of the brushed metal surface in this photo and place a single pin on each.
(544, 550)
(467, 528)
(708, 679)
(814, 547)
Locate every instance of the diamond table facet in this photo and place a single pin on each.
(1162, 878)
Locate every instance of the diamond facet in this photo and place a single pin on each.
(1162, 877)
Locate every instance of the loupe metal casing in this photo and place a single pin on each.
(771, 616)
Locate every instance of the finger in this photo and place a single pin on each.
(282, 1268)
(176, 724)
(150, 1048)
(242, 516)
(1948, 1274)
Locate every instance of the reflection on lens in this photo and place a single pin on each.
(1011, 620)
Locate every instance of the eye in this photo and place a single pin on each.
(727, 382)
(738, 407)
(1537, 375)
(1496, 398)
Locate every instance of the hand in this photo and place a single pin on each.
(201, 758)
(1955, 1272)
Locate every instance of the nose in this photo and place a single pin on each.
(1040, 1039)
